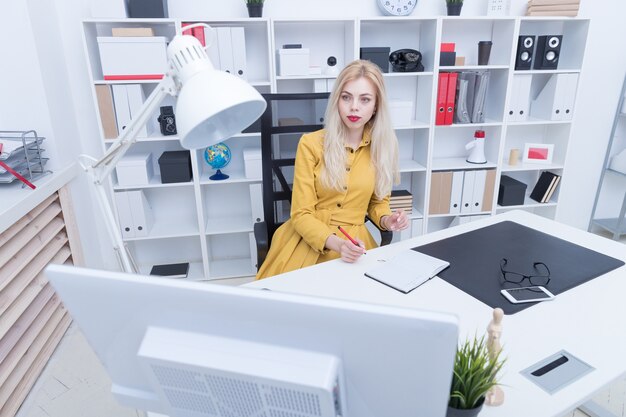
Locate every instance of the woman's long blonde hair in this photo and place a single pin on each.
(384, 144)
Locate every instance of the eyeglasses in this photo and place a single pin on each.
(541, 278)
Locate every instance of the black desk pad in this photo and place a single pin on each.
(475, 261)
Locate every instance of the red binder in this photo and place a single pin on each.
(199, 34)
(450, 98)
(188, 31)
(442, 98)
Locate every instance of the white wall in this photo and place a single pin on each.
(49, 90)
(44, 86)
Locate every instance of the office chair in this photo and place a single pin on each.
(276, 188)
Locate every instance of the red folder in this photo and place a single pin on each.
(450, 99)
(442, 98)
(188, 31)
(199, 34)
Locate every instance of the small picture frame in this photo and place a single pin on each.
(538, 153)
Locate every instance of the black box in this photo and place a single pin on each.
(511, 191)
(175, 166)
(147, 8)
(447, 59)
(379, 56)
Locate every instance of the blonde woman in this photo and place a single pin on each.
(342, 173)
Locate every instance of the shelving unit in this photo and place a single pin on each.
(209, 223)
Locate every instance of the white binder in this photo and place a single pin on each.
(141, 212)
(456, 192)
(522, 98)
(124, 214)
(548, 103)
(122, 109)
(238, 44)
(568, 96)
(417, 226)
(479, 189)
(210, 36)
(256, 202)
(225, 46)
(135, 102)
(468, 192)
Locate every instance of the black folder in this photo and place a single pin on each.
(475, 261)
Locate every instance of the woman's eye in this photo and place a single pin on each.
(345, 98)
(365, 99)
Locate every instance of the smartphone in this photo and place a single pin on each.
(527, 294)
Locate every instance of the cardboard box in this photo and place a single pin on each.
(511, 191)
(134, 169)
(133, 57)
(293, 61)
(252, 162)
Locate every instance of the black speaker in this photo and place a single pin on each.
(548, 51)
(525, 48)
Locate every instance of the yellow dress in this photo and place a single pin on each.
(317, 211)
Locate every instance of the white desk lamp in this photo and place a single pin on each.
(212, 106)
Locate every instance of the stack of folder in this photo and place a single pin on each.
(401, 200)
(461, 97)
(553, 7)
(545, 187)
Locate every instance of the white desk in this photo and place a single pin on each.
(588, 321)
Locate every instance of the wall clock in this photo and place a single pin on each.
(397, 7)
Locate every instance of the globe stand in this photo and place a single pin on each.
(218, 176)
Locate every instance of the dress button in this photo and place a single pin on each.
(339, 205)
(348, 169)
(345, 188)
(351, 150)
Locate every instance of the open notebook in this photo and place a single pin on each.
(407, 270)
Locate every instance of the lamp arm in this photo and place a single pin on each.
(99, 170)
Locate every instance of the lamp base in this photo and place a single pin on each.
(218, 176)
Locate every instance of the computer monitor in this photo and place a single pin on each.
(196, 349)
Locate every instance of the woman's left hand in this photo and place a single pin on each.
(397, 221)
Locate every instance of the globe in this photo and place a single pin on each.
(217, 156)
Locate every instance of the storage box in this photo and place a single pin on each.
(378, 55)
(134, 169)
(293, 61)
(401, 112)
(133, 58)
(175, 166)
(511, 191)
(447, 59)
(252, 162)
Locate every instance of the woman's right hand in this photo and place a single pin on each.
(349, 251)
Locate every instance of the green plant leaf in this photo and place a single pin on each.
(475, 373)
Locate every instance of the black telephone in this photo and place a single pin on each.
(406, 60)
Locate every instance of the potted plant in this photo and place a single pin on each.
(454, 7)
(255, 8)
(475, 372)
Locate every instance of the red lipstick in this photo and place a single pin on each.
(354, 118)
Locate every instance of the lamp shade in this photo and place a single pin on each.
(213, 106)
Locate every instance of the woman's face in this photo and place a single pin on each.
(357, 103)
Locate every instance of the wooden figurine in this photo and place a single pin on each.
(495, 396)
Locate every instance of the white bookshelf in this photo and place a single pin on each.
(208, 223)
